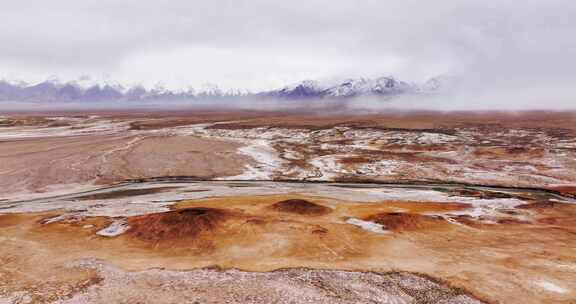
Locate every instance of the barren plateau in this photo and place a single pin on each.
(220, 207)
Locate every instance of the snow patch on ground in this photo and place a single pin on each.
(74, 205)
(117, 228)
(369, 226)
(266, 158)
(381, 167)
(427, 138)
(327, 167)
(549, 286)
(340, 142)
(485, 207)
(101, 127)
(59, 218)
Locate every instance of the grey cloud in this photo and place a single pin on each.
(493, 46)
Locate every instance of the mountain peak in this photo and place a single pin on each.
(381, 86)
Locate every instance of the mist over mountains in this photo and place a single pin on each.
(62, 92)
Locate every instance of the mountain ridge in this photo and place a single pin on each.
(75, 91)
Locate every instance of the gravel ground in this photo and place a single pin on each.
(282, 286)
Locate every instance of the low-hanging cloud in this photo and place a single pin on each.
(505, 54)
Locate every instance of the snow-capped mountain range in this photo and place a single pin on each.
(77, 91)
(382, 86)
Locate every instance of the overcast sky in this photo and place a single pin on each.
(260, 44)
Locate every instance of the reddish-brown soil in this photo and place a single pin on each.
(419, 120)
(183, 224)
(149, 148)
(400, 221)
(300, 206)
(502, 260)
(501, 263)
(567, 189)
(557, 122)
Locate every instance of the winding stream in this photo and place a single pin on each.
(180, 184)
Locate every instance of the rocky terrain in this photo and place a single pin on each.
(259, 208)
(43, 152)
(398, 243)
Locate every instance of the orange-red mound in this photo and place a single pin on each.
(179, 224)
(300, 206)
(398, 221)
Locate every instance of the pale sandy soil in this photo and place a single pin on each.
(41, 164)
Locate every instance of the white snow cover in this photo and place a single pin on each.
(99, 127)
(549, 286)
(366, 225)
(267, 161)
(269, 147)
(117, 228)
(381, 167)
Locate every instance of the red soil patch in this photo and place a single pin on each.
(300, 206)
(320, 231)
(179, 224)
(511, 221)
(558, 221)
(540, 205)
(399, 221)
(354, 160)
(468, 220)
(7, 220)
(509, 152)
(566, 189)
